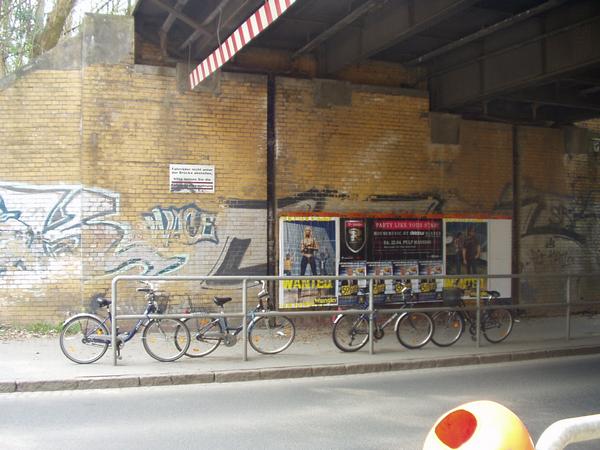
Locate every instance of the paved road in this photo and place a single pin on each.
(375, 411)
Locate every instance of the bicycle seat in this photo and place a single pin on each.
(221, 300)
(103, 301)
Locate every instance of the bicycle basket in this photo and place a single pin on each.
(162, 303)
(452, 296)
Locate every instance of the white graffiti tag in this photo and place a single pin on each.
(42, 223)
(188, 223)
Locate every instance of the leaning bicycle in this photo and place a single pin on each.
(496, 324)
(266, 334)
(85, 337)
(351, 332)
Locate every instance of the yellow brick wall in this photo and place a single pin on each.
(90, 151)
(40, 150)
(375, 156)
(135, 125)
(378, 147)
(85, 180)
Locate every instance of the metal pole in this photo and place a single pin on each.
(113, 321)
(245, 319)
(478, 314)
(371, 324)
(568, 329)
(568, 431)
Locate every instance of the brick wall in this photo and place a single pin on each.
(40, 148)
(85, 185)
(370, 152)
(559, 210)
(85, 178)
(374, 154)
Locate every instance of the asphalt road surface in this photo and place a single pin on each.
(392, 410)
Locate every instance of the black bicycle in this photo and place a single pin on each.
(85, 337)
(266, 334)
(413, 329)
(496, 324)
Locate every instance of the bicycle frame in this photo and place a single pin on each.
(234, 331)
(126, 336)
(379, 327)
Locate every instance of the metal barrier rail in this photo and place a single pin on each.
(569, 431)
(370, 310)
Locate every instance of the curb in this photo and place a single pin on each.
(285, 372)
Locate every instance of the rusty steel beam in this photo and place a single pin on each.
(385, 27)
(344, 22)
(538, 60)
(185, 19)
(170, 20)
(508, 22)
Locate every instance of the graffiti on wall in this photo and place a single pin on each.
(557, 230)
(320, 200)
(48, 223)
(189, 223)
(43, 223)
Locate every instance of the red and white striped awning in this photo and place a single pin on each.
(252, 27)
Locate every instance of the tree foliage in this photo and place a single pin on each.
(28, 28)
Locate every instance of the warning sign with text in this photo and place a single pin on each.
(192, 178)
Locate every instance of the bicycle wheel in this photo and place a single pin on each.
(497, 325)
(270, 335)
(414, 330)
(206, 335)
(351, 333)
(76, 339)
(166, 339)
(448, 326)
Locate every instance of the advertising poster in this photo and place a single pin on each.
(308, 247)
(353, 236)
(406, 240)
(381, 288)
(402, 285)
(466, 251)
(348, 289)
(429, 288)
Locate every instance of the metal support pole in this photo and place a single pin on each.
(568, 328)
(113, 321)
(478, 314)
(371, 321)
(245, 319)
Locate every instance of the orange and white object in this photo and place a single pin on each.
(479, 425)
(252, 27)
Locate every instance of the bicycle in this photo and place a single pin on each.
(413, 329)
(496, 324)
(266, 335)
(85, 337)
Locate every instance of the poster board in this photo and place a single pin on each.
(480, 247)
(355, 247)
(309, 246)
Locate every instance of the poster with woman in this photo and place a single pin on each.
(308, 246)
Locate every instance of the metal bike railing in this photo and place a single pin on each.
(371, 310)
(569, 431)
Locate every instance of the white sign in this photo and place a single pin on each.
(192, 178)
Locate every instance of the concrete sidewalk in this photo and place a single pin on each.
(37, 364)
